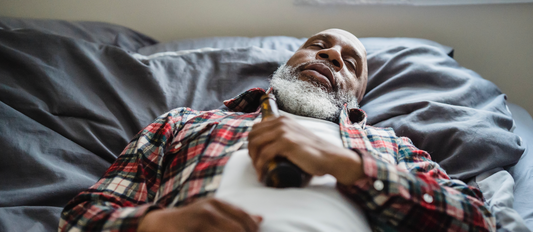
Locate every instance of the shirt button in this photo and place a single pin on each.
(378, 185)
(428, 198)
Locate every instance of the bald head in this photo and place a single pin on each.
(334, 58)
(351, 38)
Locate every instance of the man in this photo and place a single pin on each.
(200, 171)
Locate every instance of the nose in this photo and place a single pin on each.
(333, 56)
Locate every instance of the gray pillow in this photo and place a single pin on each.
(268, 42)
(457, 116)
(280, 43)
(96, 32)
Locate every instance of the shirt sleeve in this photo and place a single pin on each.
(417, 195)
(125, 193)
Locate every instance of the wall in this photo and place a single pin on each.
(493, 40)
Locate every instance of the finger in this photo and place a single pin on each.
(306, 158)
(268, 153)
(282, 123)
(257, 143)
(257, 219)
(259, 128)
(253, 135)
(276, 122)
(212, 227)
(213, 218)
(239, 215)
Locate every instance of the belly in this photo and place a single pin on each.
(317, 207)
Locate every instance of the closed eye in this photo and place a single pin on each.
(317, 45)
(351, 64)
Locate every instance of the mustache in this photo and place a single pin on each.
(301, 66)
(298, 69)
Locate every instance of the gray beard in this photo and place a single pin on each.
(306, 98)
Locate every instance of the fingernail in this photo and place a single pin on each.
(257, 218)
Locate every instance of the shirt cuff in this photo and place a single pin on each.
(128, 218)
(381, 180)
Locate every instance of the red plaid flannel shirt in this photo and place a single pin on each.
(180, 158)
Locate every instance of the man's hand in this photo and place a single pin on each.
(204, 215)
(284, 137)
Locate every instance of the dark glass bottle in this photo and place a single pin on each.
(280, 172)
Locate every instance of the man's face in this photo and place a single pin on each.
(334, 59)
(328, 71)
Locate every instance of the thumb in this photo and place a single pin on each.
(258, 219)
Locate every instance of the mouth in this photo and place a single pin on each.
(321, 72)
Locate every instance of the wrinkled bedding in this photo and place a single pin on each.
(69, 104)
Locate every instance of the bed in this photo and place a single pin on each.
(72, 94)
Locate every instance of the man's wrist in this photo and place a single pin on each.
(348, 168)
(148, 221)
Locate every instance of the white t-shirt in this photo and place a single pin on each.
(317, 207)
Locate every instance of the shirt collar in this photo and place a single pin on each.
(249, 101)
(353, 116)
